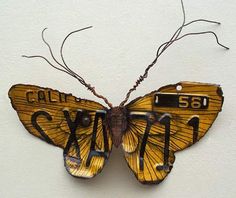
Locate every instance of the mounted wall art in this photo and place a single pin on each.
(150, 129)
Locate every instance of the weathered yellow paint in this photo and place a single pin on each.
(181, 131)
(28, 99)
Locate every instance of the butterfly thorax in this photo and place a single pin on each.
(117, 123)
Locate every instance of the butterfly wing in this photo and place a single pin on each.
(75, 125)
(166, 121)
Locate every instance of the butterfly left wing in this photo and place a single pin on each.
(166, 121)
(75, 125)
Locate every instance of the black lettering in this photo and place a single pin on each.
(194, 122)
(38, 128)
(143, 145)
(63, 97)
(150, 119)
(41, 96)
(29, 97)
(60, 96)
(66, 96)
(73, 125)
(165, 120)
(181, 101)
(93, 151)
(50, 97)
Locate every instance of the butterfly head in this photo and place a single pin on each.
(117, 123)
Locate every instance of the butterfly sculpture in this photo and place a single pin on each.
(150, 129)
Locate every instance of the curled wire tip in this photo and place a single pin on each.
(25, 56)
(83, 28)
(225, 47)
(44, 30)
(216, 22)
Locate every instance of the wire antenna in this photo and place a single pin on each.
(63, 67)
(163, 47)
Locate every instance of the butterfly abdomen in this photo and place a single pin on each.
(117, 123)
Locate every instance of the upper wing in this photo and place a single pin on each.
(76, 125)
(166, 121)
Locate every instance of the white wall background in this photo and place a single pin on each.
(111, 56)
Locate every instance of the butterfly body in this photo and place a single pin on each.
(117, 123)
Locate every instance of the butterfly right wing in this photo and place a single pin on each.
(76, 125)
(166, 121)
